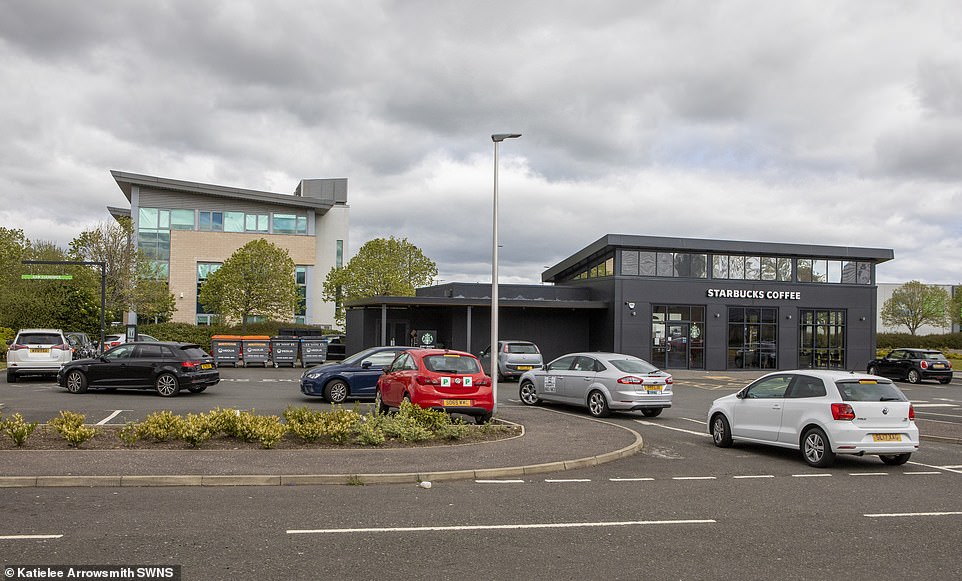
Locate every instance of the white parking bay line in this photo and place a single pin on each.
(513, 481)
(917, 473)
(631, 479)
(755, 476)
(111, 416)
(953, 469)
(702, 422)
(810, 475)
(571, 525)
(694, 478)
(903, 514)
(557, 480)
(27, 537)
(675, 429)
(868, 473)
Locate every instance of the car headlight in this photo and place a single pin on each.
(312, 374)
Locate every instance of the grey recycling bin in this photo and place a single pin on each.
(225, 350)
(257, 351)
(284, 350)
(313, 350)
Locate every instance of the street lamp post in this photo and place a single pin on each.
(493, 351)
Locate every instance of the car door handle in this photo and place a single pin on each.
(776, 406)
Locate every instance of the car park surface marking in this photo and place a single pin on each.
(868, 473)
(694, 478)
(643, 422)
(111, 416)
(755, 476)
(934, 405)
(514, 481)
(810, 475)
(696, 421)
(954, 469)
(28, 537)
(922, 472)
(631, 479)
(910, 514)
(562, 480)
(503, 527)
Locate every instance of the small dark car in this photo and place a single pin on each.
(165, 367)
(81, 345)
(913, 365)
(356, 376)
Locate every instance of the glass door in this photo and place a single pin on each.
(677, 346)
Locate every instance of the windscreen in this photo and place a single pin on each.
(633, 365)
(450, 363)
(869, 390)
(522, 348)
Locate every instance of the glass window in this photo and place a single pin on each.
(646, 263)
(736, 267)
(769, 268)
(699, 266)
(864, 273)
(666, 264)
(682, 265)
(211, 221)
(834, 271)
(163, 219)
(784, 269)
(769, 387)
(233, 221)
(181, 219)
(629, 262)
(284, 224)
(849, 272)
(819, 271)
(256, 222)
(804, 270)
(147, 218)
(302, 224)
(719, 266)
(752, 267)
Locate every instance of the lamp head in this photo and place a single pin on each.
(498, 137)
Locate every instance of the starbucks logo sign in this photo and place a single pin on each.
(427, 339)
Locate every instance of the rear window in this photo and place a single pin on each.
(869, 390)
(194, 352)
(450, 363)
(633, 365)
(39, 339)
(522, 348)
(932, 355)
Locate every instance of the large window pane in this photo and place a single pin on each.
(284, 224)
(629, 262)
(302, 225)
(181, 219)
(785, 269)
(864, 273)
(147, 218)
(646, 263)
(699, 266)
(769, 268)
(819, 271)
(736, 267)
(719, 266)
(666, 264)
(804, 270)
(752, 267)
(234, 221)
(834, 271)
(682, 264)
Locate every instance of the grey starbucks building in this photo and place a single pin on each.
(680, 303)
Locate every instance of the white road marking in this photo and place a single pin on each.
(810, 475)
(868, 473)
(556, 480)
(954, 469)
(933, 405)
(110, 417)
(696, 421)
(631, 479)
(643, 422)
(28, 537)
(694, 478)
(898, 514)
(502, 527)
(942, 416)
(755, 476)
(915, 473)
(515, 481)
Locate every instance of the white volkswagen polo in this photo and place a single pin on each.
(822, 413)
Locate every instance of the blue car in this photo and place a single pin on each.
(355, 376)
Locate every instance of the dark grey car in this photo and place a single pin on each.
(514, 358)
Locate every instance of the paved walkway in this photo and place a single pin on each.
(552, 441)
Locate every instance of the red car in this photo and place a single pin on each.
(440, 379)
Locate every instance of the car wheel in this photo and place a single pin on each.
(528, 394)
(167, 385)
(816, 448)
(914, 376)
(598, 405)
(895, 459)
(872, 370)
(721, 431)
(11, 376)
(651, 412)
(197, 389)
(76, 382)
(379, 406)
(482, 419)
(945, 380)
(336, 391)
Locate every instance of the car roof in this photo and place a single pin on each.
(917, 350)
(830, 375)
(40, 331)
(434, 351)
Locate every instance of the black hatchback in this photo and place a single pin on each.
(913, 365)
(165, 367)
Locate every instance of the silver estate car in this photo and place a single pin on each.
(602, 382)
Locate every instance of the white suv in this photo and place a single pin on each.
(37, 352)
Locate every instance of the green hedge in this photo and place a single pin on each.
(951, 341)
(201, 335)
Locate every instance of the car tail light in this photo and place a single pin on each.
(911, 412)
(631, 380)
(483, 382)
(669, 380)
(190, 365)
(948, 364)
(16, 347)
(842, 411)
(924, 364)
(62, 347)
(425, 380)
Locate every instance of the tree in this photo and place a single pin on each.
(257, 280)
(113, 245)
(382, 267)
(152, 299)
(955, 307)
(915, 304)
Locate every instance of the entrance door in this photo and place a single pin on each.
(677, 346)
(398, 333)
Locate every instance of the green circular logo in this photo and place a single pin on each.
(427, 339)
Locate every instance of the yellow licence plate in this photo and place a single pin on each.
(206, 366)
(887, 437)
(653, 387)
(40, 350)
(456, 402)
(524, 368)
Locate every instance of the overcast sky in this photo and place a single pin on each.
(818, 122)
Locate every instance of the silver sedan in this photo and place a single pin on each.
(602, 382)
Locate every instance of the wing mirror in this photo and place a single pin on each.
(741, 394)
(366, 365)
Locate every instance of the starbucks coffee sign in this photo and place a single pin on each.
(721, 293)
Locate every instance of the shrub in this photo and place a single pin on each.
(453, 431)
(370, 432)
(71, 426)
(129, 433)
(161, 426)
(340, 424)
(225, 421)
(18, 429)
(267, 430)
(196, 429)
(430, 419)
(405, 428)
